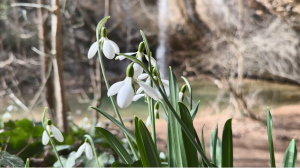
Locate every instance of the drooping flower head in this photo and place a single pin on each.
(182, 95)
(53, 131)
(138, 70)
(126, 89)
(108, 47)
(87, 148)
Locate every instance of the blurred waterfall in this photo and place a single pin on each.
(161, 50)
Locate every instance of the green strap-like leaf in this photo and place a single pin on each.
(195, 110)
(178, 150)
(219, 153)
(190, 150)
(227, 146)
(151, 149)
(270, 138)
(202, 136)
(147, 149)
(214, 146)
(140, 144)
(116, 145)
(121, 126)
(290, 156)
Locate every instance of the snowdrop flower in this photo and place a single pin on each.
(138, 70)
(87, 148)
(108, 47)
(125, 89)
(6, 117)
(156, 114)
(182, 96)
(53, 131)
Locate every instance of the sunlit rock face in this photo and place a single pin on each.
(287, 9)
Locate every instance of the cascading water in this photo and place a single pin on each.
(161, 50)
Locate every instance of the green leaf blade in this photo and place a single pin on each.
(176, 149)
(290, 156)
(270, 138)
(116, 145)
(121, 126)
(190, 150)
(227, 145)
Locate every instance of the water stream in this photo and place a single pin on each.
(161, 50)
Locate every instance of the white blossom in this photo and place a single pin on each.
(87, 148)
(53, 131)
(109, 47)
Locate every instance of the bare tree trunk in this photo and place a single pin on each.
(44, 45)
(58, 67)
(16, 19)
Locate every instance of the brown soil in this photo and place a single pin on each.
(250, 139)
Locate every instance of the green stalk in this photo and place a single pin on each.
(152, 119)
(93, 147)
(108, 86)
(51, 141)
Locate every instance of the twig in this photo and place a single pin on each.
(32, 5)
(6, 144)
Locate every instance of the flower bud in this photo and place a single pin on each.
(49, 122)
(156, 106)
(130, 70)
(183, 88)
(141, 47)
(103, 32)
(154, 72)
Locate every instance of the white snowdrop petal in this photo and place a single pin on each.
(138, 70)
(143, 76)
(130, 53)
(137, 97)
(153, 61)
(114, 89)
(149, 90)
(139, 90)
(180, 96)
(148, 121)
(93, 50)
(125, 94)
(45, 138)
(165, 82)
(88, 151)
(80, 150)
(120, 57)
(108, 49)
(115, 46)
(57, 134)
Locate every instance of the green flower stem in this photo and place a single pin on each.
(108, 86)
(152, 118)
(51, 141)
(183, 126)
(93, 147)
